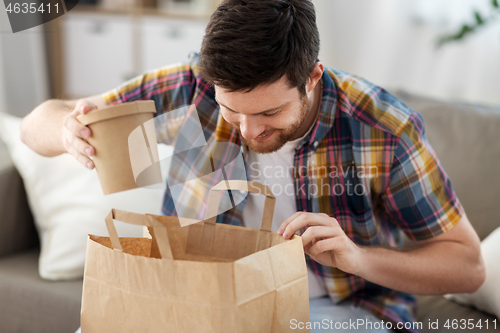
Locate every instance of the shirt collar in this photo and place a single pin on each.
(326, 117)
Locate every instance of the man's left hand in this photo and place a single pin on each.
(324, 240)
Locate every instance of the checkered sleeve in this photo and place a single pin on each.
(420, 198)
(170, 87)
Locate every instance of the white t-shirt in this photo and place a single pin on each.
(275, 171)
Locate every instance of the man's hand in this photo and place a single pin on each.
(51, 129)
(75, 135)
(324, 240)
(448, 263)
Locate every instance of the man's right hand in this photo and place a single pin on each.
(75, 135)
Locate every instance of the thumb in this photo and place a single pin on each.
(84, 106)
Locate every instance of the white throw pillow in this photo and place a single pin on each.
(68, 204)
(487, 298)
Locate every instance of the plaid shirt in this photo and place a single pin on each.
(366, 162)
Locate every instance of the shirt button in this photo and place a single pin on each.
(316, 143)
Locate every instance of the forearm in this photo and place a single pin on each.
(436, 268)
(42, 129)
(446, 263)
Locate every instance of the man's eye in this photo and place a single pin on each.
(271, 114)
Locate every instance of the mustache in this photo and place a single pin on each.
(237, 127)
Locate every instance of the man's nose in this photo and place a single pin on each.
(250, 128)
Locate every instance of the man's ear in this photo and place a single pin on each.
(316, 75)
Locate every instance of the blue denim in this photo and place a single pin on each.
(342, 317)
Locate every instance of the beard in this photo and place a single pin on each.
(281, 136)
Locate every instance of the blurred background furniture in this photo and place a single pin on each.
(389, 42)
(122, 39)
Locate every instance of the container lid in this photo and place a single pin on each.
(118, 110)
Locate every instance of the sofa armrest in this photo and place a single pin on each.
(17, 230)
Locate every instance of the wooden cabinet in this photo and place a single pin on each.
(97, 53)
(168, 41)
(101, 51)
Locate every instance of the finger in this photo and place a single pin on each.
(306, 219)
(75, 127)
(83, 106)
(317, 233)
(326, 258)
(321, 246)
(287, 221)
(84, 160)
(82, 146)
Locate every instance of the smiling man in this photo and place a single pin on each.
(290, 116)
(350, 164)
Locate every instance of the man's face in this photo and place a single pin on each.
(266, 117)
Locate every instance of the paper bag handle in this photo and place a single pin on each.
(241, 185)
(160, 230)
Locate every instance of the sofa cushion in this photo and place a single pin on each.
(437, 308)
(29, 304)
(17, 231)
(67, 203)
(465, 139)
(487, 298)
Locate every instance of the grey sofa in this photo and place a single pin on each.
(464, 137)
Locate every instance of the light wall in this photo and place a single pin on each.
(389, 42)
(23, 68)
(393, 44)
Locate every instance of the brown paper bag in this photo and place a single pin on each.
(124, 138)
(205, 277)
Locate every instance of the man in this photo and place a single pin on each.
(346, 156)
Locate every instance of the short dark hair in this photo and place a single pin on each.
(248, 43)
